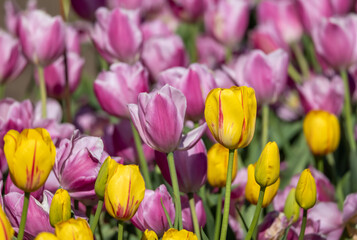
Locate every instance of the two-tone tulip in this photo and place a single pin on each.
(267, 169)
(174, 234)
(6, 231)
(230, 115)
(60, 209)
(305, 192)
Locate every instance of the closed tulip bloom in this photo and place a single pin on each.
(209, 51)
(86, 8)
(189, 10)
(174, 234)
(119, 86)
(102, 178)
(252, 189)
(149, 235)
(305, 193)
(124, 191)
(76, 229)
(267, 169)
(42, 37)
(6, 231)
(60, 209)
(217, 164)
(151, 215)
(30, 156)
(46, 236)
(230, 115)
(187, 216)
(341, 7)
(292, 208)
(322, 132)
(117, 35)
(341, 31)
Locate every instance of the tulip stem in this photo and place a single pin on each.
(303, 225)
(143, 164)
(2, 90)
(304, 67)
(43, 93)
(306, 40)
(294, 74)
(256, 214)
(94, 223)
(120, 230)
(218, 215)
(67, 93)
(243, 220)
(191, 201)
(172, 168)
(229, 54)
(227, 198)
(265, 127)
(25, 207)
(319, 162)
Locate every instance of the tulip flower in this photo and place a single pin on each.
(209, 51)
(292, 208)
(74, 229)
(155, 28)
(149, 235)
(230, 115)
(187, 220)
(341, 7)
(189, 10)
(267, 169)
(322, 132)
(174, 234)
(46, 236)
(86, 8)
(11, 187)
(60, 209)
(6, 231)
(151, 215)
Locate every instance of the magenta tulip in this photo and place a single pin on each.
(341, 7)
(209, 51)
(188, 10)
(155, 28)
(186, 213)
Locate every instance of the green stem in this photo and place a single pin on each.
(286, 232)
(172, 168)
(2, 90)
(227, 198)
(142, 160)
(319, 163)
(218, 216)
(331, 161)
(294, 74)
(304, 67)
(43, 93)
(96, 216)
(256, 214)
(191, 201)
(229, 54)
(100, 231)
(243, 220)
(67, 93)
(311, 53)
(24, 216)
(265, 126)
(166, 214)
(303, 225)
(120, 230)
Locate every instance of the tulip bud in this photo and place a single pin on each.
(174, 234)
(6, 231)
(102, 179)
(305, 193)
(252, 189)
(217, 164)
(76, 229)
(322, 132)
(124, 191)
(46, 236)
(149, 235)
(60, 209)
(30, 156)
(230, 115)
(268, 166)
(292, 208)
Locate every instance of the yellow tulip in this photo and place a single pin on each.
(60, 209)
(30, 156)
(252, 189)
(230, 115)
(174, 234)
(124, 191)
(292, 208)
(322, 132)
(46, 236)
(6, 231)
(268, 166)
(305, 193)
(76, 229)
(149, 235)
(217, 164)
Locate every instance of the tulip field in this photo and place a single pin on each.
(178, 119)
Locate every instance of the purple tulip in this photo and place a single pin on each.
(117, 35)
(227, 21)
(188, 10)
(164, 107)
(186, 213)
(11, 187)
(88, 121)
(335, 40)
(350, 209)
(274, 226)
(210, 52)
(37, 216)
(289, 108)
(42, 36)
(126, 4)
(52, 183)
(191, 167)
(12, 62)
(266, 74)
(223, 80)
(86, 8)
(119, 86)
(151, 215)
(77, 164)
(283, 14)
(319, 93)
(155, 28)
(195, 83)
(341, 7)
(161, 53)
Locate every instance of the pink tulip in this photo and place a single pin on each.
(88, 121)
(273, 226)
(289, 107)
(117, 35)
(210, 52)
(151, 215)
(164, 107)
(341, 7)
(42, 37)
(223, 80)
(186, 213)
(188, 10)
(155, 28)
(10, 187)
(195, 83)
(119, 86)
(86, 8)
